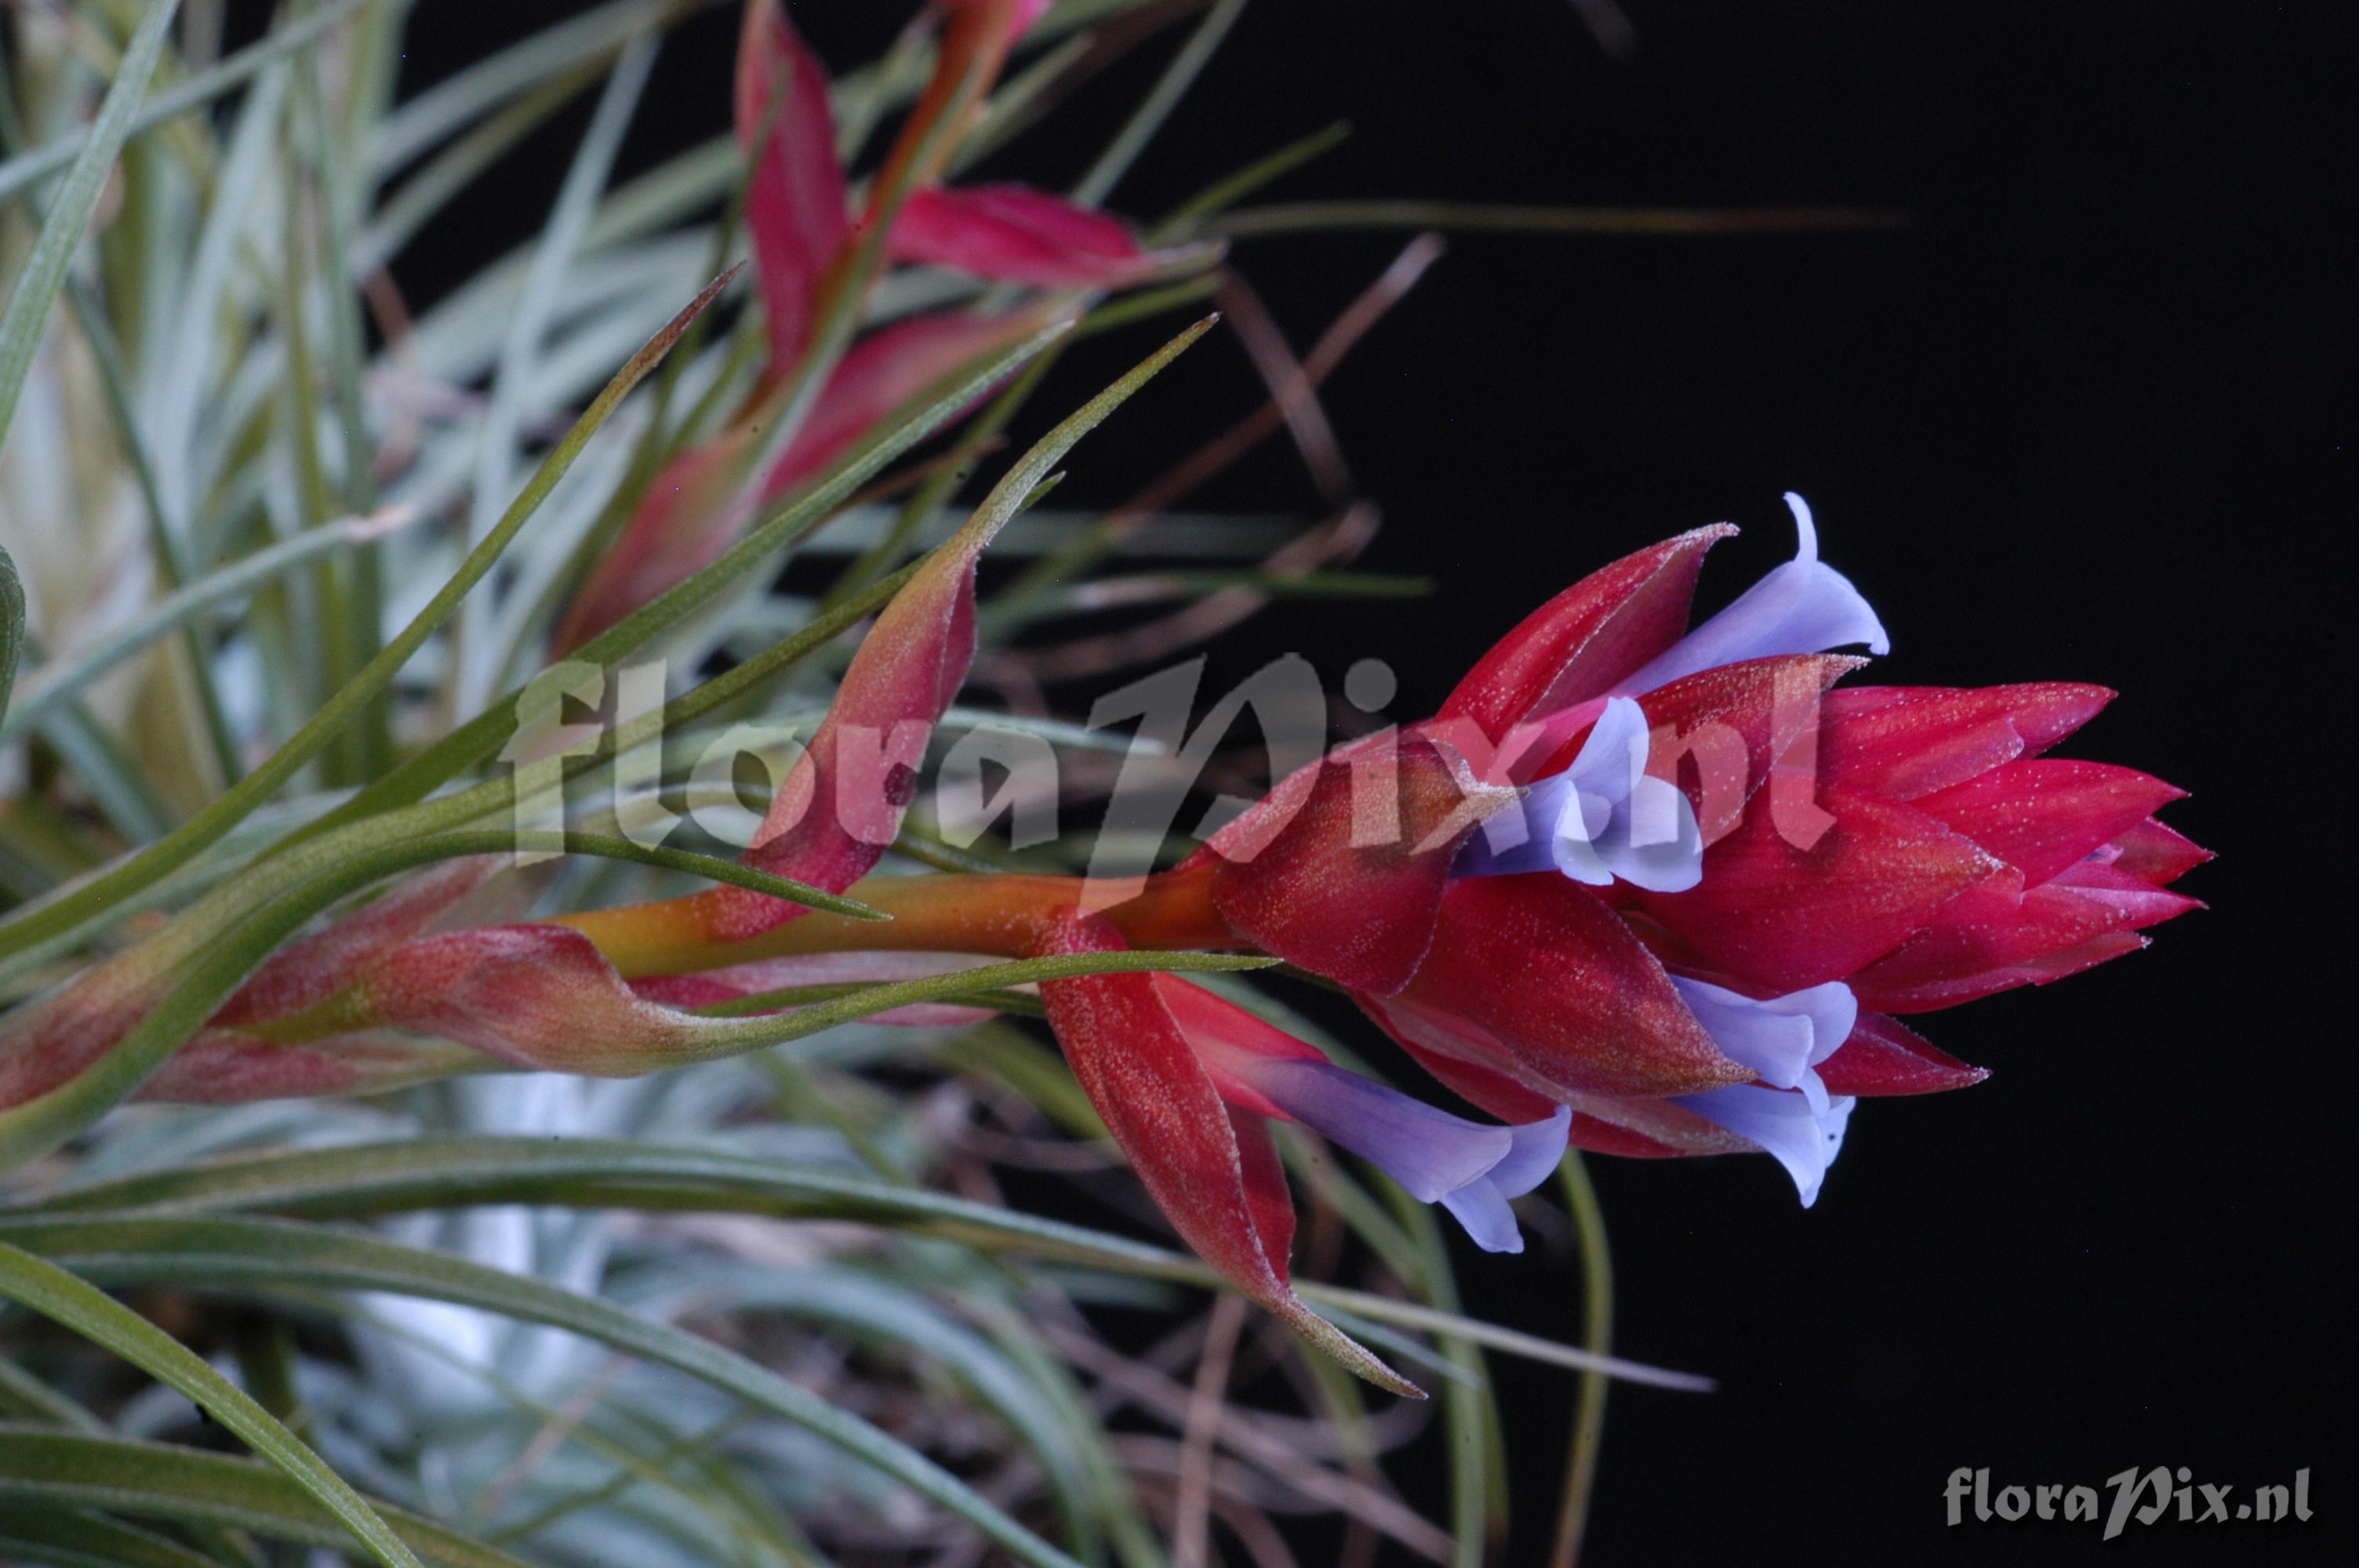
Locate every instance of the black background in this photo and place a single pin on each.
(2081, 419)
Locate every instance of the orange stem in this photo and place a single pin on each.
(997, 916)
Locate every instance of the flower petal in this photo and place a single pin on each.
(1470, 1168)
(1603, 818)
(1802, 607)
(1782, 1124)
(1781, 1038)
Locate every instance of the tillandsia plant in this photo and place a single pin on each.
(378, 820)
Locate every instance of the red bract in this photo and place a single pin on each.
(804, 242)
(1679, 943)
(795, 195)
(698, 505)
(1212, 1170)
(1015, 234)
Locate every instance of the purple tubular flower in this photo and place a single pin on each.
(1603, 818)
(1783, 1038)
(1798, 1135)
(1802, 607)
(1468, 1167)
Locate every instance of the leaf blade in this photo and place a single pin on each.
(74, 1304)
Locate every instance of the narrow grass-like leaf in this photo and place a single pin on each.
(77, 1539)
(899, 1321)
(27, 319)
(55, 683)
(482, 736)
(90, 1312)
(24, 171)
(12, 629)
(1231, 188)
(171, 552)
(474, 666)
(630, 1467)
(464, 96)
(117, 787)
(52, 1469)
(437, 1173)
(24, 1397)
(804, 996)
(178, 395)
(611, 846)
(425, 193)
(69, 1538)
(1298, 217)
(1597, 1335)
(225, 957)
(263, 1255)
(228, 810)
(1157, 107)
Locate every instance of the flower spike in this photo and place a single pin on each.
(1225, 1195)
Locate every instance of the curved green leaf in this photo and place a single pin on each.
(12, 629)
(80, 1306)
(23, 170)
(45, 1468)
(226, 812)
(250, 1255)
(590, 1173)
(67, 1539)
(27, 321)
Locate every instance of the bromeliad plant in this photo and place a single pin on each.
(312, 831)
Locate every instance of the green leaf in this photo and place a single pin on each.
(184, 843)
(55, 682)
(1157, 107)
(24, 1397)
(472, 659)
(899, 1321)
(74, 1540)
(251, 1255)
(26, 319)
(47, 1468)
(588, 1173)
(12, 629)
(24, 171)
(579, 42)
(712, 868)
(1297, 217)
(482, 736)
(77, 1304)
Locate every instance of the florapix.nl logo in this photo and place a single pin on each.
(2145, 1496)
